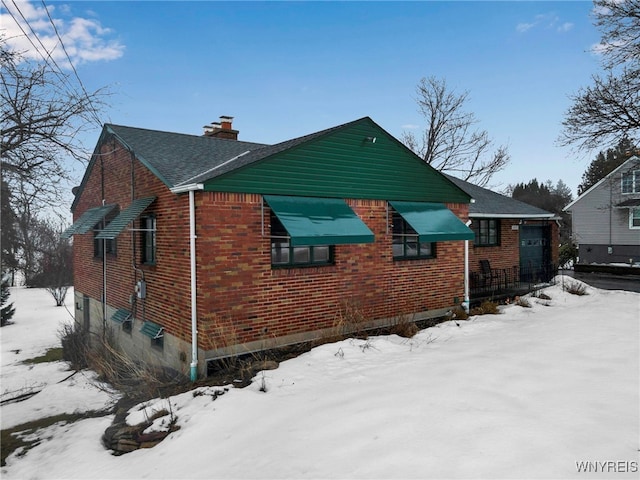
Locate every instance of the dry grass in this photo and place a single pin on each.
(574, 288)
(486, 307)
(404, 326)
(349, 320)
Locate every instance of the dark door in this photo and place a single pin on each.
(85, 313)
(535, 253)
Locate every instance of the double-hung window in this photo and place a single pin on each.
(487, 232)
(406, 244)
(283, 254)
(631, 182)
(634, 218)
(102, 246)
(149, 241)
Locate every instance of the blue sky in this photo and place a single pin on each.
(285, 69)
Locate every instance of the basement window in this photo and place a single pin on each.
(123, 317)
(155, 332)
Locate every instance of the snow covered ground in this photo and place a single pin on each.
(540, 392)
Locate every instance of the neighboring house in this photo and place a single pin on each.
(192, 248)
(518, 241)
(606, 218)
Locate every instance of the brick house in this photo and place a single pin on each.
(190, 248)
(517, 241)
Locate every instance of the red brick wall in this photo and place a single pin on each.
(240, 297)
(168, 282)
(238, 286)
(507, 254)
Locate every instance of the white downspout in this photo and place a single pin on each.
(465, 303)
(194, 314)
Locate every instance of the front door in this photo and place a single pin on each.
(535, 253)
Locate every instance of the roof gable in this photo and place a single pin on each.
(176, 157)
(491, 204)
(356, 160)
(635, 160)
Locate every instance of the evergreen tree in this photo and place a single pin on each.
(7, 311)
(547, 197)
(606, 162)
(9, 237)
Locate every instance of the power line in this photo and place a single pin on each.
(75, 72)
(57, 70)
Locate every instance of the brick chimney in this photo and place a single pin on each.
(221, 129)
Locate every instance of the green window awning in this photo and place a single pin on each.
(433, 222)
(122, 315)
(126, 216)
(151, 330)
(319, 221)
(88, 220)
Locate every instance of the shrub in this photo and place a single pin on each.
(523, 302)
(567, 255)
(486, 307)
(459, 313)
(7, 311)
(75, 345)
(404, 327)
(138, 379)
(574, 288)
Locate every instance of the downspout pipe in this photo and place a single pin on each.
(465, 303)
(191, 189)
(194, 310)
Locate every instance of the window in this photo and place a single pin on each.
(631, 182)
(158, 342)
(634, 218)
(487, 232)
(100, 246)
(283, 254)
(148, 236)
(406, 244)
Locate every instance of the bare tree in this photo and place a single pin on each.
(609, 110)
(42, 116)
(451, 143)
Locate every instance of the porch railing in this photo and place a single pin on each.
(515, 280)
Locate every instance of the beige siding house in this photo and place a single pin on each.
(606, 218)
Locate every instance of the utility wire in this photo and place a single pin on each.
(75, 72)
(57, 70)
(48, 57)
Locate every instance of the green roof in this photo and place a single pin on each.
(126, 216)
(433, 222)
(319, 221)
